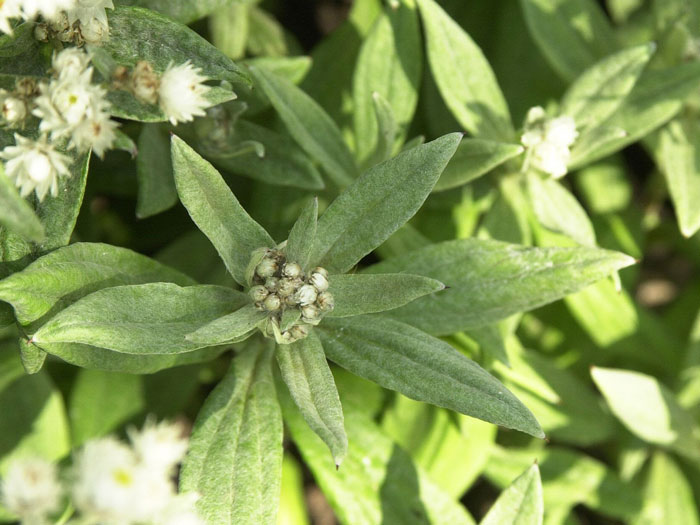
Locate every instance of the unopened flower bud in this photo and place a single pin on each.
(145, 82)
(299, 331)
(287, 287)
(258, 293)
(272, 283)
(291, 270)
(320, 270)
(306, 295)
(310, 314)
(266, 268)
(41, 32)
(319, 281)
(325, 301)
(272, 303)
(13, 110)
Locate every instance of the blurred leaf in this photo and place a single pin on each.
(154, 170)
(267, 37)
(216, 211)
(309, 125)
(474, 158)
(519, 504)
(310, 382)
(16, 214)
(140, 319)
(464, 77)
(65, 275)
(571, 34)
(184, 11)
(378, 203)
(648, 409)
(357, 294)
(389, 64)
(604, 186)
(402, 358)
(387, 130)
(303, 234)
(489, 280)
(235, 456)
(292, 505)
(229, 27)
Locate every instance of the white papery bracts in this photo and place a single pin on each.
(283, 289)
(548, 141)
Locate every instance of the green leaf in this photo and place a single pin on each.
(520, 504)
(228, 27)
(474, 158)
(184, 11)
(357, 294)
(216, 211)
(175, 43)
(309, 125)
(140, 319)
(571, 34)
(389, 64)
(377, 483)
(387, 130)
(229, 328)
(678, 157)
(648, 409)
(235, 456)
(599, 91)
(668, 496)
(400, 357)
(267, 37)
(464, 77)
(102, 401)
(558, 210)
(490, 280)
(154, 171)
(293, 498)
(69, 273)
(16, 214)
(303, 234)
(32, 356)
(656, 98)
(310, 382)
(378, 203)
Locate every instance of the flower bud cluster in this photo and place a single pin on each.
(179, 91)
(280, 285)
(548, 141)
(109, 482)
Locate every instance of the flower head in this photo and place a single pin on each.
(181, 93)
(35, 166)
(88, 10)
(548, 141)
(49, 9)
(31, 489)
(159, 446)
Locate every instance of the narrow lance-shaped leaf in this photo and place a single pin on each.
(216, 211)
(356, 294)
(600, 90)
(521, 503)
(154, 170)
(389, 64)
(235, 456)
(301, 238)
(229, 328)
(474, 158)
(464, 77)
(490, 280)
(141, 319)
(400, 357)
(16, 214)
(309, 125)
(71, 272)
(184, 11)
(387, 130)
(310, 382)
(379, 203)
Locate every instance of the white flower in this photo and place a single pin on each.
(181, 511)
(88, 10)
(49, 9)
(35, 166)
(548, 141)
(13, 109)
(70, 62)
(159, 446)
(181, 93)
(98, 133)
(31, 489)
(94, 32)
(9, 9)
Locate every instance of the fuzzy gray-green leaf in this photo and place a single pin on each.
(379, 203)
(402, 358)
(357, 294)
(310, 382)
(229, 328)
(489, 280)
(69, 273)
(16, 214)
(235, 456)
(216, 211)
(301, 238)
(154, 170)
(140, 319)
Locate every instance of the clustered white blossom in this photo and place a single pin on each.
(548, 141)
(279, 286)
(110, 482)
